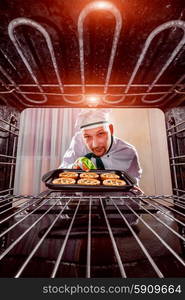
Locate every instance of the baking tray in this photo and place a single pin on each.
(51, 175)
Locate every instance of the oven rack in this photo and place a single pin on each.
(153, 225)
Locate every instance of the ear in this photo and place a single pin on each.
(111, 129)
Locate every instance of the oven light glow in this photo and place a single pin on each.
(102, 5)
(92, 99)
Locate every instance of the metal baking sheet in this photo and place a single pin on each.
(50, 176)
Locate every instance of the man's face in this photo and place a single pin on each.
(97, 139)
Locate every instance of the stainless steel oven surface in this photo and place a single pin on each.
(56, 58)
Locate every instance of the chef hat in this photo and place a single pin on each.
(92, 118)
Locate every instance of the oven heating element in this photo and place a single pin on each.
(164, 92)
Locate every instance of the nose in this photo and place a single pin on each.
(94, 143)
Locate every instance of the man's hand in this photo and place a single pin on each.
(84, 163)
(138, 190)
(79, 164)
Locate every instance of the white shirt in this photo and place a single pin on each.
(122, 156)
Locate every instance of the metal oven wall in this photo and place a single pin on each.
(9, 122)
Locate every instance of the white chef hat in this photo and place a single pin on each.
(92, 118)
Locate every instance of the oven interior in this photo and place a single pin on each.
(65, 54)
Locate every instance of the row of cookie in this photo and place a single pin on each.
(90, 175)
(89, 181)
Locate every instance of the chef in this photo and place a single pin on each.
(95, 140)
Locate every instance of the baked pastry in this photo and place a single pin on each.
(89, 175)
(87, 181)
(114, 182)
(68, 175)
(64, 181)
(109, 175)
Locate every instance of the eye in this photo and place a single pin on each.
(101, 134)
(86, 136)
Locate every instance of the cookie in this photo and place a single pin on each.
(114, 182)
(68, 175)
(109, 175)
(64, 181)
(87, 181)
(89, 175)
